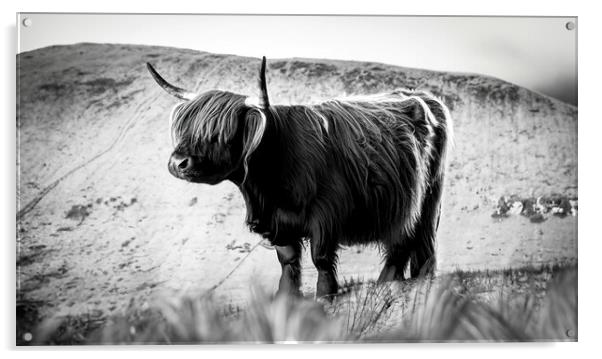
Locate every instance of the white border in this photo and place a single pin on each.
(589, 179)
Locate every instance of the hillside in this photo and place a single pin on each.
(100, 220)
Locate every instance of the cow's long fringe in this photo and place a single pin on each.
(210, 117)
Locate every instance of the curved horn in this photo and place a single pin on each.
(264, 102)
(171, 89)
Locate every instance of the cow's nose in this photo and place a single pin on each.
(181, 162)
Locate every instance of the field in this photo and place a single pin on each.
(104, 232)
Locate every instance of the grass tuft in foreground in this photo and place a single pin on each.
(527, 304)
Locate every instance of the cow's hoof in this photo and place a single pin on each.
(326, 299)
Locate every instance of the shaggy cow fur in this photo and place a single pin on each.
(341, 172)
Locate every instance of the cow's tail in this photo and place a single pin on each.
(422, 257)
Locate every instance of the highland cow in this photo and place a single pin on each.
(342, 172)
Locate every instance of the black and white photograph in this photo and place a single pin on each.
(191, 179)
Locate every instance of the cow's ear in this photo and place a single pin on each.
(254, 128)
(264, 101)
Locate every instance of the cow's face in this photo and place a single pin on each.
(214, 133)
(207, 134)
(203, 163)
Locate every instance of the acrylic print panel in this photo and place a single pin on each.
(377, 179)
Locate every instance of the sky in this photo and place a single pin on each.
(535, 52)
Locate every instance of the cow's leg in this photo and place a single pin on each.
(423, 259)
(397, 256)
(290, 260)
(324, 256)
